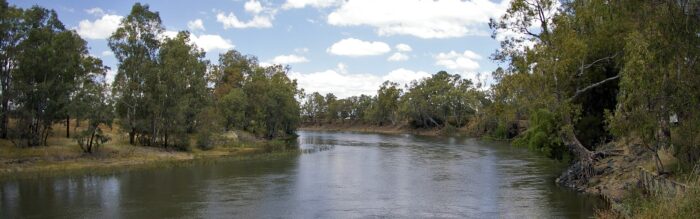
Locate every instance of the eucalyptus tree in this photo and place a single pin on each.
(181, 90)
(136, 44)
(12, 32)
(443, 99)
(95, 105)
(659, 80)
(49, 65)
(386, 107)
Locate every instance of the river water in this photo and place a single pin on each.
(340, 175)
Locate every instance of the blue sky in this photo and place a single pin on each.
(347, 47)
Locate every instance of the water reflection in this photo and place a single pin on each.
(340, 174)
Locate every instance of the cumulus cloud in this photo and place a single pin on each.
(288, 59)
(466, 65)
(343, 84)
(397, 57)
(253, 7)
(210, 42)
(197, 24)
(403, 47)
(354, 47)
(462, 62)
(101, 28)
(231, 21)
(290, 4)
(262, 17)
(206, 42)
(420, 18)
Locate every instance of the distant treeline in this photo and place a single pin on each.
(164, 90)
(438, 101)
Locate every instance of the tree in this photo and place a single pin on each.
(181, 89)
(385, 110)
(443, 99)
(96, 106)
(659, 80)
(135, 45)
(12, 32)
(49, 66)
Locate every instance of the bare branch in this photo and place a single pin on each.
(594, 85)
(586, 66)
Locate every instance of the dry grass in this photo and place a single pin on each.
(64, 155)
(620, 184)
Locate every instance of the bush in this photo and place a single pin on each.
(276, 145)
(543, 135)
(182, 143)
(204, 140)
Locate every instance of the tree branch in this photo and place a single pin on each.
(584, 67)
(594, 85)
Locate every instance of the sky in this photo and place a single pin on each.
(346, 47)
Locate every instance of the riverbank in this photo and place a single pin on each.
(63, 156)
(388, 129)
(618, 179)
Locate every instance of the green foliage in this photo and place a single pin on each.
(91, 139)
(543, 135)
(261, 100)
(161, 84)
(441, 100)
(50, 66)
(210, 127)
(385, 109)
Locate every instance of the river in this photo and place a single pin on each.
(340, 175)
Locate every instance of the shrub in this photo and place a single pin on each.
(543, 135)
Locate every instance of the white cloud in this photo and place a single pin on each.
(466, 65)
(405, 76)
(262, 17)
(343, 84)
(420, 18)
(231, 21)
(310, 3)
(210, 42)
(397, 57)
(462, 62)
(253, 7)
(207, 42)
(197, 24)
(107, 53)
(95, 11)
(101, 28)
(288, 59)
(354, 47)
(403, 47)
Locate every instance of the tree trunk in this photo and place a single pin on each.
(5, 118)
(67, 126)
(131, 136)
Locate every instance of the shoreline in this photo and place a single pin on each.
(390, 129)
(21, 163)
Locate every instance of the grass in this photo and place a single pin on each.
(63, 155)
(637, 204)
